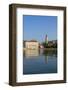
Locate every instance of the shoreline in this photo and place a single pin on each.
(41, 49)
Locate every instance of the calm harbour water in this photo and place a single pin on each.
(39, 62)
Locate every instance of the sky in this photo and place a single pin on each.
(36, 27)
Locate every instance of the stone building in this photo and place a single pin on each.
(32, 44)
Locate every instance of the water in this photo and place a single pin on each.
(39, 62)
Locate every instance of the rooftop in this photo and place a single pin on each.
(31, 41)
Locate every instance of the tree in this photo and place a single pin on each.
(45, 44)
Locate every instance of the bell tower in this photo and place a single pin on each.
(46, 39)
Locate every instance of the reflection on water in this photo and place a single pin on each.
(39, 61)
(31, 53)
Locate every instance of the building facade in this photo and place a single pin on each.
(31, 44)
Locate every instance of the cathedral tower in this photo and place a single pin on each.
(46, 39)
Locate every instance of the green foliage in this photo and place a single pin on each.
(46, 45)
